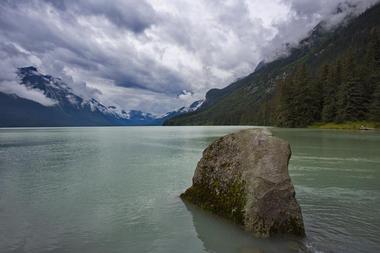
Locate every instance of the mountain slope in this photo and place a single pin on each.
(255, 98)
(70, 109)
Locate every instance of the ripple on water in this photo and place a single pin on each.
(323, 168)
(116, 190)
(333, 159)
(333, 216)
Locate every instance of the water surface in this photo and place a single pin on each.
(116, 189)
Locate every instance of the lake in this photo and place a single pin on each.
(115, 189)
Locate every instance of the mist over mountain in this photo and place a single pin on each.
(49, 101)
(331, 76)
(154, 56)
(137, 62)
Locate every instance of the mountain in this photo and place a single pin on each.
(70, 109)
(192, 108)
(337, 64)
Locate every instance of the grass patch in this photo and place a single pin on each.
(356, 125)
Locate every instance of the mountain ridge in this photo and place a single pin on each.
(253, 99)
(67, 108)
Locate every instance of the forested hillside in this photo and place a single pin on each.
(347, 89)
(332, 76)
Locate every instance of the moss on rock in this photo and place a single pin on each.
(227, 201)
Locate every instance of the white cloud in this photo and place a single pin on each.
(150, 51)
(14, 88)
(12, 56)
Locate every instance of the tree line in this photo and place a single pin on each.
(345, 90)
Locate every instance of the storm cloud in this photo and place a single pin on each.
(154, 55)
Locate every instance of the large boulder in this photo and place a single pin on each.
(244, 177)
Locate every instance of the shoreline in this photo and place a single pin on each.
(356, 125)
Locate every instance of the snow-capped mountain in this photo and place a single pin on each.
(192, 108)
(59, 91)
(67, 107)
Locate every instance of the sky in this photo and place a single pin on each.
(153, 55)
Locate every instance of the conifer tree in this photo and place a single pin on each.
(318, 91)
(356, 102)
(374, 110)
(374, 55)
(305, 106)
(285, 111)
(347, 78)
(329, 102)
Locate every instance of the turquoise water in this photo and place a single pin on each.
(116, 190)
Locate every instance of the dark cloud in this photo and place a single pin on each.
(142, 54)
(129, 14)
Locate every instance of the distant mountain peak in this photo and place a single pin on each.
(28, 69)
(195, 106)
(71, 108)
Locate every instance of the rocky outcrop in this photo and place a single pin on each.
(244, 177)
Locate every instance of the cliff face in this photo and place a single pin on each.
(244, 177)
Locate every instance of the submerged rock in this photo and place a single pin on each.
(244, 177)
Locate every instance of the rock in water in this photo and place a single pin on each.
(244, 177)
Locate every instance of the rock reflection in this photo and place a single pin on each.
(221, 236)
